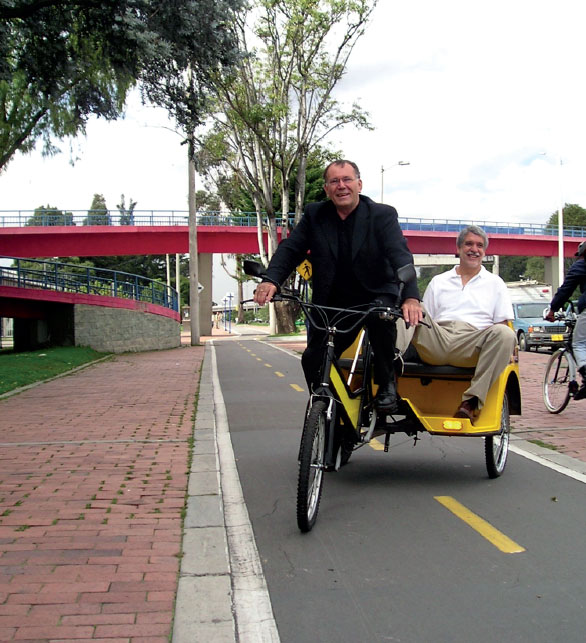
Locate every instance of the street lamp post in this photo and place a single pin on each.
(561, 232)
(229, 297)
(382, 177)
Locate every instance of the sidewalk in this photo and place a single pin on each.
(95, 468)
(566, 431)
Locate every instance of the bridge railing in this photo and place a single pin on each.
(44, 218)
(61, 277)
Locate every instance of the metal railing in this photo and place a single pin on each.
(71, 278)
(44, 218)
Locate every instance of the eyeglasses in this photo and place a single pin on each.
(345, 180)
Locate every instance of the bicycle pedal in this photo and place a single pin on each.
(573, 386)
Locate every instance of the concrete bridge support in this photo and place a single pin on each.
(204, 268)
(552, 272)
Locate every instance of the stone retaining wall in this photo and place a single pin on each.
(119, 330)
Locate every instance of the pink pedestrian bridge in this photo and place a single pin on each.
(49, 234)
(167, 233)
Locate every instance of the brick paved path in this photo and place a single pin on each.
(566, 431)
(93, 476)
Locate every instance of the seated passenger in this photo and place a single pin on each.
(468, 309)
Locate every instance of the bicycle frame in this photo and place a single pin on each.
(335, 388)
(569, 317)
(559, 381)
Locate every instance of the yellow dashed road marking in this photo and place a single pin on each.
(296, 388)
(268, 366)
(376, 445)
(485, 529)
(278, 374)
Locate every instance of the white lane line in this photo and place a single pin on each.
(252, 604)
(576, 475)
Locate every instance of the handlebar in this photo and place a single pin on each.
(330, 315)
(567, 316)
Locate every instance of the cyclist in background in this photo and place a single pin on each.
(576, 278)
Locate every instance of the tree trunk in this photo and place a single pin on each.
(193, 268)
(285, 318)
(300, 186)
(284, 206)
(240, 305)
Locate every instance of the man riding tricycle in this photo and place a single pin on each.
(361, 380)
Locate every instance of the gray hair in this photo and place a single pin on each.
(341, 163)
(472, 229)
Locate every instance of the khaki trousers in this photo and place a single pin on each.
(461, 344)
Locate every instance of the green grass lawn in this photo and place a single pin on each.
(20, 369)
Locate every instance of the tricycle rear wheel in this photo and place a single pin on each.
(496, 447)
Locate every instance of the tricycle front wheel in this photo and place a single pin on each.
(311, 465)
(496, 447)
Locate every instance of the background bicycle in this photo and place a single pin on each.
(559, 382)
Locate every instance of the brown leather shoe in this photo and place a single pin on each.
(468, 410)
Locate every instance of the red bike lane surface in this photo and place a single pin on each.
(93, 477)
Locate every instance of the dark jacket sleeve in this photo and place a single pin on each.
(290, 252)
(576, 277)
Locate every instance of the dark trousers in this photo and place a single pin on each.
(382, 334)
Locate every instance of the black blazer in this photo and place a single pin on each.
(378, 249)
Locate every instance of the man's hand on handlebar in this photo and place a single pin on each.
(549, 315)
(264, 292)
(412, 311)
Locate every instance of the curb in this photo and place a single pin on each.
(550, 458)
(221, 594)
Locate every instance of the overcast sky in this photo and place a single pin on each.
(481, 98)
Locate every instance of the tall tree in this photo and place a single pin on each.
(61, 62)
(98, 214)
(512, 268)
(574, 215)
(47, 215)
(276, 105)
(151, 266)
(126, 212)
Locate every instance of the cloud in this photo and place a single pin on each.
(470, 94)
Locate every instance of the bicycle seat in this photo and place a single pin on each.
(414, 366)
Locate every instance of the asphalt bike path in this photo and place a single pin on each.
(388, 558)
